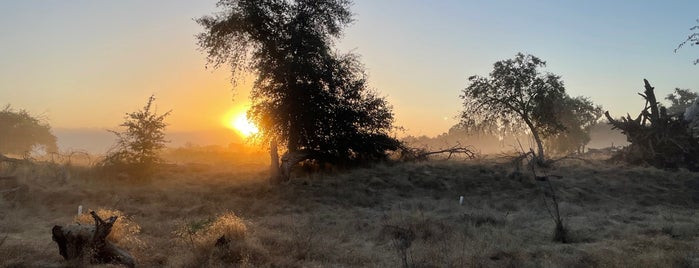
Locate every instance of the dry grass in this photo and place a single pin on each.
(383, 216)
(124, 232)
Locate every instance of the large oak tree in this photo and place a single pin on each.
(306, 96)
(515, 95)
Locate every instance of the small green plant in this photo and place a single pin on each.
(190, 230)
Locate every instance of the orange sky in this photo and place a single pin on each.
(84, 64)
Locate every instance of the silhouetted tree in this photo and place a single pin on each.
(305, 96)
(138, 145)
(21, 132)
(680, 100)
(515, 96)
(692, 39)
(578, 115)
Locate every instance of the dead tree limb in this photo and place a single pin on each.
(76, 242)
(7, 159)
(421, 154)
(451, 151)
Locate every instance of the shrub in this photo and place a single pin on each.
(218, 242)
(137, 148)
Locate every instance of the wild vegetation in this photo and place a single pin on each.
(198, 215)
(358, 197)
(137, 149)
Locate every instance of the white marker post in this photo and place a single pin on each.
(80, 210)
(461, 200)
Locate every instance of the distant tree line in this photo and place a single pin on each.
(316, 102)
(21, 133)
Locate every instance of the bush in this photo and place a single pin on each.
(137, 148)
(218, 242)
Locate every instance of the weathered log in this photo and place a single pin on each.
(76, 242)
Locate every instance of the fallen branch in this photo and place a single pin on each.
(420, 154)
(4, 158)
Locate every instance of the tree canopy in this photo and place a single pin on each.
(306, 95)
(20, 133)
(680, 100)
(578, 115)
(515, 96)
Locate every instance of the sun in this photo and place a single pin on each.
(241, 124)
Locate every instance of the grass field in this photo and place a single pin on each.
(388, 215)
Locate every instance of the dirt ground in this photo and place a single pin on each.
(387, 215)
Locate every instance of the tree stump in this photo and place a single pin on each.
(76, 242)
(657, 138)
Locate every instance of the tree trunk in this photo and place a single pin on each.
(539, 144)
(76, 242)
(274, 162)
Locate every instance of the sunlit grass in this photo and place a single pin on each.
(226, 215)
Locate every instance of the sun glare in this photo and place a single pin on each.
(241, 124)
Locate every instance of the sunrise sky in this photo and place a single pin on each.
(83, 64)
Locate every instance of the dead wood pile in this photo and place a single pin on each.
(84, 242)
(656, 138)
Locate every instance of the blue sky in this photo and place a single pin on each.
(86, 63)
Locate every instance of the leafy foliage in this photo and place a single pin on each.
(138, 146)
(21, 132)
(692, 39)
(515, 96)
(680, 100)
(578, 115)
(305, 96)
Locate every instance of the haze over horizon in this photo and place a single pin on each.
(84, 64)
